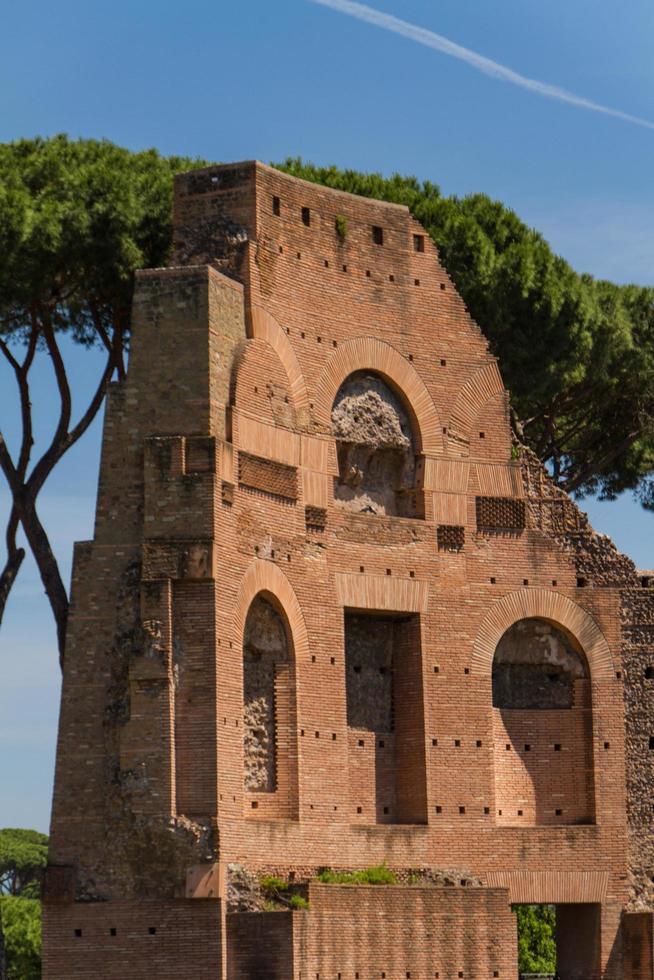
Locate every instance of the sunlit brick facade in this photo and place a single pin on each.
(290, 644)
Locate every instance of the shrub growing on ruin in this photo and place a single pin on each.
(377, 875)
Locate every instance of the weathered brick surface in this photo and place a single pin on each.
(639, 946)
(373, 931)
(216, 486)
(264, 474)
(130, 941)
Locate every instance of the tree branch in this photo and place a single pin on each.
(25, 490)
(596, 466)
(4, 347)
(57, 448)
(25, 402)
(15, 558)
(61, 378)
(48, 568)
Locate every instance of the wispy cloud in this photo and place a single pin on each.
(492, 68)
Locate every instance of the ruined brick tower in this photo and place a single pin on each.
(329, 618)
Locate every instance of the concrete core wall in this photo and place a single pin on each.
(376, 450)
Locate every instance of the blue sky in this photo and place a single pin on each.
(228, 81)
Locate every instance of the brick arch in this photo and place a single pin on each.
(542, 604)
(477, 390)
(264, 577)
(369, 354)
(265, 327)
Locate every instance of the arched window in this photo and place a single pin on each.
(268, 713)
(376, 446)
(542, 720)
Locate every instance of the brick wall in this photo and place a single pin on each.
(544, 764)
(378, 931)
(217, 459)
(268, 476)
(400, 931)
(260, 946)
(126, 941)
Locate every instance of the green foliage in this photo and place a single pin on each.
(577, 354)
(20, 922)
(536, 938)
(378, 875)
(341, 226)
(23, 857)
(77, 218)
(271, 884)
(278, 895)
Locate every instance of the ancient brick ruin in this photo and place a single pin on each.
(332, 618)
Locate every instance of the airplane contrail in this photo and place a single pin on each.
(492, 68)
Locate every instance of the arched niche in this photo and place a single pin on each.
(270, 630)
(536, 666)
(266, 659)
(376, 356)
(542, 726)
(377, 445)
(549, 605)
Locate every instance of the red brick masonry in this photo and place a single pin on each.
(217, 489)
